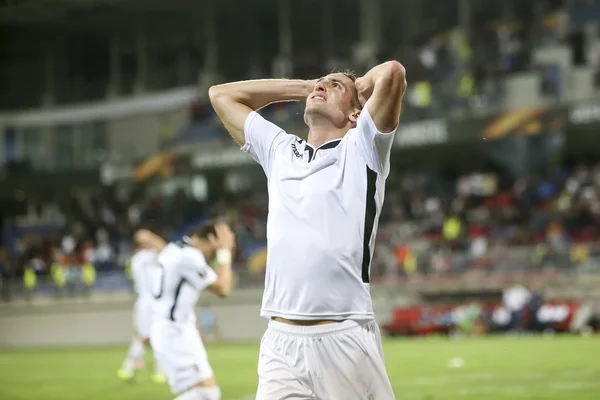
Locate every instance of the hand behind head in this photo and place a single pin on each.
(224, 238)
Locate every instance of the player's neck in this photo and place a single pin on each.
(319, 134)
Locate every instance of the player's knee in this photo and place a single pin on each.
(210, 393)
(201, 393)
(207, 383)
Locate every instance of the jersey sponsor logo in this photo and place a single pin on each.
(295, 149)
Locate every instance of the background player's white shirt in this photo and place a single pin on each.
(144, 267)
(324, 206)
(185, 273)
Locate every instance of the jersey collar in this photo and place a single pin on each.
(312, 152)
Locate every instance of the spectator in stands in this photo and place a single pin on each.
(536, 301)
(4, 272)
(103, 254)
(515, 298)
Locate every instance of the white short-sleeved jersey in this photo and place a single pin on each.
(185, 273)
(144, 267)
(324, 206)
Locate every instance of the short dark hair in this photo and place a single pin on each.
(350, 74)
(205, 229)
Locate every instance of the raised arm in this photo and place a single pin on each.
(382, 89)
(234, 101)
(224, 242)
(149, 240)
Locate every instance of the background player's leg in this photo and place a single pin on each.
(190, 371)
(159, 374)
(135, 355)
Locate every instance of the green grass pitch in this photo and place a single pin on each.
(494, 368)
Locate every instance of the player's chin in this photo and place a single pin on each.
(312, 104)
(315, 108)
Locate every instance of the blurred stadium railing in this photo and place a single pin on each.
(432, 269)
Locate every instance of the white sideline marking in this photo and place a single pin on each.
(564, 386)
(488, 389)
(442, 380)
(491, 389)
(486, 377)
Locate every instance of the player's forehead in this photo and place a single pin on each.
(339, 77)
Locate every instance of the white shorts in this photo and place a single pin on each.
(180, 352)
(142, 317)
(339, 361)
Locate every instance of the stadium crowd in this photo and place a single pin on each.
(430, 225)
(434, 226)
(463, 68)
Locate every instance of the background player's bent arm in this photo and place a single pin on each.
(222, 286)
(198, 274)
(234, 101)
(383, 86)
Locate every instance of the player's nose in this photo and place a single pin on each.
(320, 87)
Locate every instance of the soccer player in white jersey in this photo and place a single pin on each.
(144, 266)
(185, 274)
(325, 197)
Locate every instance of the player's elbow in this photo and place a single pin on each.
(396, 70)
(395, 75)
(223, 97)
(140, 234)
(216, 94)
(142, 237)
(221, 289)
(223, 292)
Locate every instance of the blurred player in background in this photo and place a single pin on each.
(185, 274)
(144, 267)
(325, 197)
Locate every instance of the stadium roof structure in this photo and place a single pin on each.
(90, 14)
